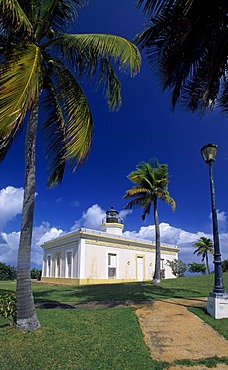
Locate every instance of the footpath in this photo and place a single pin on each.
(172, 333)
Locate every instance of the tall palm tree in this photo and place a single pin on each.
(186, 41)
(204, 246)
(151, 181)
(41, 64)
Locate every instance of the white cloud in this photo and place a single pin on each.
(181, 238)
(91, 219)
(9, 244)
(11, 200)
(222, 219)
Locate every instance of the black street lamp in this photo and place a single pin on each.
(209, 152)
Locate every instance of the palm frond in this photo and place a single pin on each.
(56, 15)
(111, 84)
(21, 83)
(55, 135)
(79, 123)
(151, 181)
(136, 191)
(186, 42)
(14, 18)
(87, 49)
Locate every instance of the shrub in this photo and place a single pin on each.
(7, 272)
(178, 267)
(197, 267)
(225, 266)
(36, 274)
(8, 307)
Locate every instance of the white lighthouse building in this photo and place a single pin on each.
(88, 256)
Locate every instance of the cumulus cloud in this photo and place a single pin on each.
(222, 219)
(91, 219)
(183, 239)
(9, 244)
(11, 200)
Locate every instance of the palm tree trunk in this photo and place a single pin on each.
(208, 269)
(157, 271)
(26, 315)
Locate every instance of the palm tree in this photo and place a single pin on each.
(151, 181)
(41, 64)
(186, 41)
(204, 246)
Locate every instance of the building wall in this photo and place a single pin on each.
(96, 262)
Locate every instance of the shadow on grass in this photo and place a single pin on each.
(110, 293)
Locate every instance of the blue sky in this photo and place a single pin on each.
(145, 127)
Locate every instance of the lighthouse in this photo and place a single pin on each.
(112, 223)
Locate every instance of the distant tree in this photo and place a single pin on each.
(7, 272)
(197, 268)
(203, 247)
(35, 273)
(186, 41)
(178, 267)
(151, 181)
(225, 266)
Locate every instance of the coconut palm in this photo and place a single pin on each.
(186, 41)
(151, 181)
(204, 246)
(40, 64)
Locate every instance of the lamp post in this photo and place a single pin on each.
(209, 152)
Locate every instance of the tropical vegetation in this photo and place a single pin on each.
(151, 184)
(186, 42)
(7, 272)
(41, 64)
(195, 267)
(225, 265)
(204, 247)
(178, 267)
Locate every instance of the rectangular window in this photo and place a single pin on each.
(48, 274)
(69, 264)
(58, 264)
(112, 265)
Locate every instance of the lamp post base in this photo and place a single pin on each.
(217, 305)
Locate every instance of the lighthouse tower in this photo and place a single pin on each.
(112, 223)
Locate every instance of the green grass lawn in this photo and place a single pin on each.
(89, 339)
(77, 339)
(186, 287)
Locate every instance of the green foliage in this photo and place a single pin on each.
(178, 267)
(225, 265)
(204, 246)
(151, 183)
(197, 268)
(36, 274)
(7, 272)
(186, 41)
(8, 306)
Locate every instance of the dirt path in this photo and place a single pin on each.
(172, 332)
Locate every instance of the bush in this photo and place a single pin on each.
(197, 268)
(225, 266)
(36, 274)
(7, 272)
(178, 267)
(8, 307)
